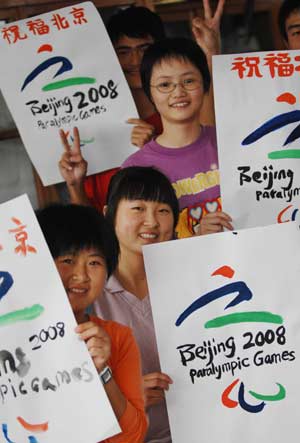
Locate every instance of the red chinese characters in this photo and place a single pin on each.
(273, 64)
(37, 26)
(21, 237)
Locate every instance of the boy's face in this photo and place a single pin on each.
(130, 52)
(83, 275)
(292, 27)
(183, 104)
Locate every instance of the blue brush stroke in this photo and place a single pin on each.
(6, 283)
(32, 439)
(246, 406)
(4, 430)
(66, 66)
(294, 135)
(244, 294)
(272, 125)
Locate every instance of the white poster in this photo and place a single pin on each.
(258, 115)
(49, 388)
(226, 313)
(59, 70)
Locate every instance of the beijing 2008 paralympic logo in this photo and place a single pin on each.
(244, 294)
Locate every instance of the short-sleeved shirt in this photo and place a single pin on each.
(120, 305)
(194, 173)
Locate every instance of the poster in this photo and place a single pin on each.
(49, 388)
(71, 77)
(226, 314)
(258, 132)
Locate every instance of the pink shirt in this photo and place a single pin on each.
(120, 305)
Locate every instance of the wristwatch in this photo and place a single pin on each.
(105, 375)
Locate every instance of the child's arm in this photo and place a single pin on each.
(125, 387)
(98, 344)
(207, 35)
(73, 168)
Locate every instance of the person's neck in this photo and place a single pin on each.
(144, 106)
(81, 317)
(131, 274)
(176, 135)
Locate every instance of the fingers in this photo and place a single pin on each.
(141, 133)
(215, 222)
(153, 397)
(219, 10)
(207, 10)
(157, 380)
(64, 140)
(97, 342)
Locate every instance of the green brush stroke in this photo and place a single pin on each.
(243, 317)
(276, 397)
(288, 153)
(21, 315)
(69, 82)
(91, 140)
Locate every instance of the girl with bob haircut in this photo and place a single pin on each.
(175, 77)
(143, 207)
(85, 250)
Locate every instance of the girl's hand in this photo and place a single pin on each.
(155, 384)
(214, 222)
(142, 132)
(97, 341)
(72, 165)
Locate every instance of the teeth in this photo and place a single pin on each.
(148, 235)
(179, 105)
(79, 291)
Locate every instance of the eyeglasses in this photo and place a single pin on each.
(188, 84)
(126, 51)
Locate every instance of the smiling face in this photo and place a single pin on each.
(130, 52)
(83, 275)
(141, 222)
(292, 27)
(180, 105)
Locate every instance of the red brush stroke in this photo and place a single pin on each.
(45, 48)
(41, 427)
(225, 396)
(225, 271)
(287, 97)
(279, 217)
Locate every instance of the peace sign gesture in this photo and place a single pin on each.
(72, 165)
(207, 30)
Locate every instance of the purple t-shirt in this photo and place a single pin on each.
(194, 173)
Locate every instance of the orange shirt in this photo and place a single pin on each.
(126, 369)
(96, 186)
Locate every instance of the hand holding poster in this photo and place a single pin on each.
(258, 115)
(49, 388)
(227, 326)
(71, 77)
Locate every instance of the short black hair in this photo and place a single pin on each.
(173, 48)
(68, 229)
(140, 183)
(135, 22)
(286, 9)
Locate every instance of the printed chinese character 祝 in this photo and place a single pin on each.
(12, 34)
(249, 64)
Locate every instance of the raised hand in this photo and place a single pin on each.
(142, 132)
(207, 30)
(214, 222)
(72, 165)
(97, 341)
(155, 384)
